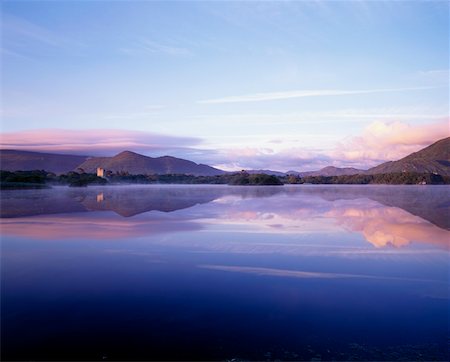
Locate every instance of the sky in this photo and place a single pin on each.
(281, 85)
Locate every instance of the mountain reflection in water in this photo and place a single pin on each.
(384, 215)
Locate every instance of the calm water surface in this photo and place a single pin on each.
(221, 273)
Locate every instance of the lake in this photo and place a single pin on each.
(300, 272)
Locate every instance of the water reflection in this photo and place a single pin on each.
(92, 226)
(386, 216)
(223, 273)
(386, 226)
(306, 274)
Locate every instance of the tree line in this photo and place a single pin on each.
(397, 178)
(43, 179)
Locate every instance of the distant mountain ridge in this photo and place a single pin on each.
(135, 163)
(267, 172)
(326, 171)
(432, 159)
(332, 171)
(13, 160)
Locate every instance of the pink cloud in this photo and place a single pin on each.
(379, 142)
(92, 142)
(384, 141)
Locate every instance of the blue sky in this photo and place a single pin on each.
(281, 85)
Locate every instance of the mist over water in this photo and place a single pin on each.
(220, 272)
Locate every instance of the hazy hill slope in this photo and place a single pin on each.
(333, 171)
(134, 163)
(434, 158)
(12, 160)
(267, 172)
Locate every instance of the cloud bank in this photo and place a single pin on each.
(379, 142)
(93, 142)
(267, 158)
(389, 141)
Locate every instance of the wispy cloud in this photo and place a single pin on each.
(348, 115)
(9, 52)
(147, 111)
(272, 96)
(153, 47)
(23, 38)
(434, 76)
(13, 25)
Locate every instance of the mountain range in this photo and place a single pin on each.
(134, 164)
(432, 159)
